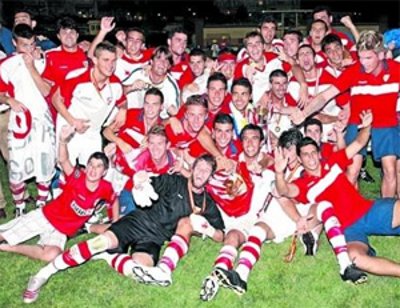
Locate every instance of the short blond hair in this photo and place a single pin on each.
(370, 40)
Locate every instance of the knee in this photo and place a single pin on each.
(51, 253)
(184, 226)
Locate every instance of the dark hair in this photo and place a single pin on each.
(198, 52)
(304, 142)
(253, 34)
(24, 9)
(158, 51)
(244, 82)
(252, 127)
(322, 8)
(329, 39)
(23, 31)
(277, 73)
(290, 137)
(217, 76)
(156, 92)
(268, 19)
(136, 29)
(207, 158)
(66, 23)
(306, 46)
(223, 118)
(175, 30)
(197, 100)
(294, 32)
(105, 45)
(316, 21)
(100, 156)
(312, 121)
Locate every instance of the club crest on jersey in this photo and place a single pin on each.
(386, 77)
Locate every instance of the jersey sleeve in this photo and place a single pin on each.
(346, 80)
(340, 158)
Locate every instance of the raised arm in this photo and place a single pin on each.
(363, 136)
(283, 188)
(106, 25)
(63, 157)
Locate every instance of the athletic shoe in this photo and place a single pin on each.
(354, 275)
(365, 176)
(209, 288)
(231, 279)
(31, 293)
(151, 275)
(310, 243)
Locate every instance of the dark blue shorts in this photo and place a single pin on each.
(377, 221)
(385, 142)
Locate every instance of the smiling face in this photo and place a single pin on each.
(223, 135)
(255, 48)
(160, 65)
(334, 52)
(310, 157)
(134, 43)
(251, 142)
(241, 97)
(197, 65)
(105, 62)
(177, 44)
(279, 86)
(268, 32)
(216, 94)
(68, 38)
(95, 170)
(195, 117)
(152, 106)
(157, 145)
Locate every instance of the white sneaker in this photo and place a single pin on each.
(209, 288)
(151, 275)
(31, 292)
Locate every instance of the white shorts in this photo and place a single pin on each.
(279, 222)
(30, 225)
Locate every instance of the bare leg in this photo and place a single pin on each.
(388, 188)
(375, 265)
(44, 253)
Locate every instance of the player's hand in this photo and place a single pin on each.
(15, 105)
(110, 150)
(281, 161)
(303, 100)
(366, 118)
(28, 60)
(121, 37)
(81, 125)
(347, 22)
(84, 45)
(302, 225)
(172, 110)
(107, 24)
(143, 192)
(138, 85)
(67, 131)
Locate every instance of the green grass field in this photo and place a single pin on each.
(306, 282)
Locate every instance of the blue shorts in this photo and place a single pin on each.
(385, 142)
(377, 221)
(126, 202)
(351, 135)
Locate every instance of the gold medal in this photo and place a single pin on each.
(277, 129)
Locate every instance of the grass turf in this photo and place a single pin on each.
(306, 282)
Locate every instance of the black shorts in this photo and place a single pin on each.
(138, 230)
